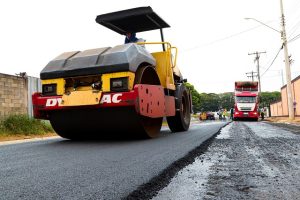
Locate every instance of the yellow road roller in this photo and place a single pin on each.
(121, 91)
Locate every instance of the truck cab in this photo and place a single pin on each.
(246, 101)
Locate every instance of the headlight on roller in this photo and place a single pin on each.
(49, 89)
(119, 84)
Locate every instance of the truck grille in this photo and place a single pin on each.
(246, 108)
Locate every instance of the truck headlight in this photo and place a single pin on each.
(119, 84)
(236, 113)
(49, 89)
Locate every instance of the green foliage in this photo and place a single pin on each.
(210, 101)
(227, 100)
(195, 97)
(266, 98)
(22, 124)
(213, 102)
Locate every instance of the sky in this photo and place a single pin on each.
(213, 38)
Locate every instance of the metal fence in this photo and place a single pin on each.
(33, 85)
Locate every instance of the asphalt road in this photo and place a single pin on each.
(62, 169)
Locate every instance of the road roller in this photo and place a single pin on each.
(121, 91)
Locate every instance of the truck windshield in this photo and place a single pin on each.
(245, 99)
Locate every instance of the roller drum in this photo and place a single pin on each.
(108, 123)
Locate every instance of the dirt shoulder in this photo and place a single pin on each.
(293, 126)
(9, 137)
(296, 121)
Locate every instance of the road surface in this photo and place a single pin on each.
(247, 160)
(63, 169)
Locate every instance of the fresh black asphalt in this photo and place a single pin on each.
(63, 169)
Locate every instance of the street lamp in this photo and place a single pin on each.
(287, 61)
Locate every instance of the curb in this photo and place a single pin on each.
(27, 140)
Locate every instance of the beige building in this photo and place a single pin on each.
(280, 109)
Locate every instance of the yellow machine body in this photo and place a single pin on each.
(81, 98)
(164, 64)
(164, 70)
(86, 95)
(60, 84)
(106, 79)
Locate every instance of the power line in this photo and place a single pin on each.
(295, 9)
(273, 76)
(294, 29)
(257, 56)
(224, 38)
(272, 61)
(251, 75)
(294, 38)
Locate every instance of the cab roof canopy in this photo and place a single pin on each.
(132, 20)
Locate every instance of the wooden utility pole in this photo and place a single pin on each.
(286, 60)
(287, 66)
(252, 75)
(257, 56)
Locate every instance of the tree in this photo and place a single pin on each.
(195, 97)
(227, 100)
(209, 102)
(203, 102)
(266, 98)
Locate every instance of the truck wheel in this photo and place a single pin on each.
(181, 121)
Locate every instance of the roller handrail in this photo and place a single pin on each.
(168, 49)
(167, 43)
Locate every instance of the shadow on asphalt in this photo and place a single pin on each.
(111, 140)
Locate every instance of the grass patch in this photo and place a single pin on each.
(195, 115)
(22, 124)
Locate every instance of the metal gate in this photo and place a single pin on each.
(33, 85)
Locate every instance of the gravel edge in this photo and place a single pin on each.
(150, 189)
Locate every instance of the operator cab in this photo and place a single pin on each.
(133, 20)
